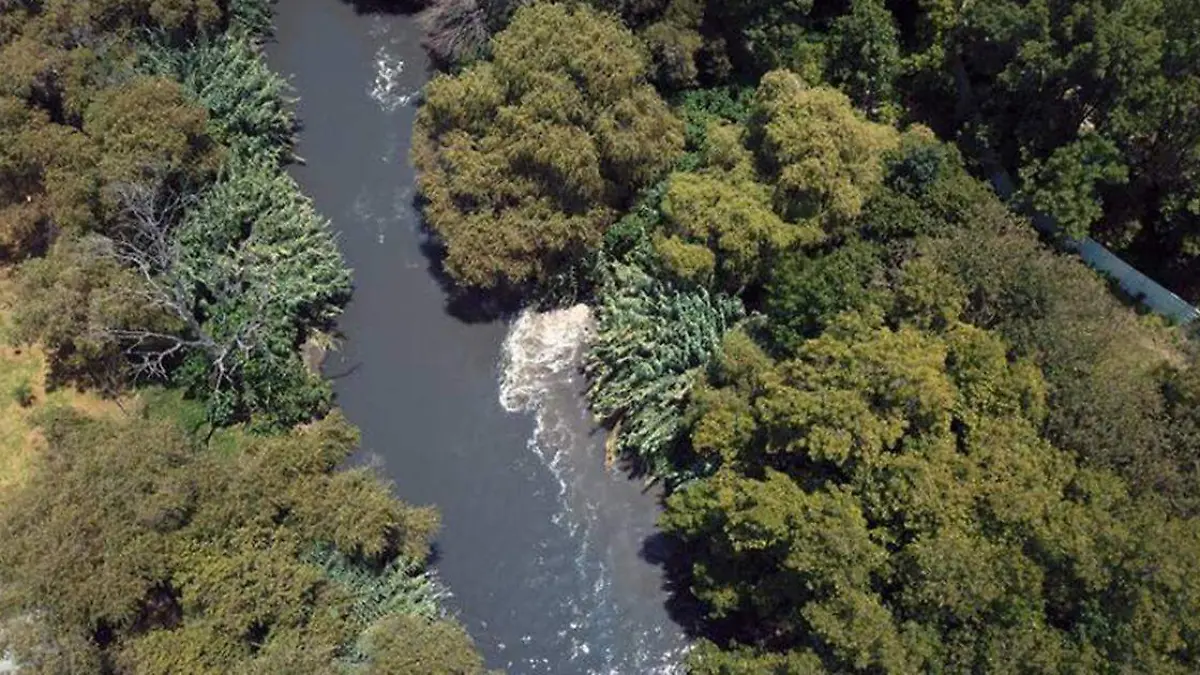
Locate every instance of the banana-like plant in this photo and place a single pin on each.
(651, 341)
(248, 104)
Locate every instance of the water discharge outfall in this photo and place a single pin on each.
(541, 543)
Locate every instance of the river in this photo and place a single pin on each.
(544, 548)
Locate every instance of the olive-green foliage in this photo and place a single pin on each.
(1101, 363)
(74, 123)
(147, 128)
(70, 300)
(804, 162)
(413, 645)
(806, 292)
(48, 178)
(651, 343)
(186, 560)
(675, 43)
(706, 658)
(524, 159)
(885, 504)
(1181, 482)
(89, 22)
(247, 102)
(823, 158)
(720, 225)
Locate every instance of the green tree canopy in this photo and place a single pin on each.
(1102, 365)
(885, 504)
(148, 128)
(524, 159)
(132, 550)
(866, 57)
(803, 164)
(822, 156)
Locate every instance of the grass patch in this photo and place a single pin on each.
(161, 403)
(23, 395)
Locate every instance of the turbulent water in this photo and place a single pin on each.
(541, 375)
(543, 546)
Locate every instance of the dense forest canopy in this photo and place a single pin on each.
(1090, 104)
(150, 236)
(183, 559)
(900, 433)
(526, 159)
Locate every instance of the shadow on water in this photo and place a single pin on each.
(392, 7)
(465, 304)
(669, 554)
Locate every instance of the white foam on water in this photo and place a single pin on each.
(541, 353)
(386, 89)
(540, 363)
(540, 347)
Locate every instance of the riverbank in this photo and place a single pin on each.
(541, 545)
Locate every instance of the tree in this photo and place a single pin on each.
(218, 296)
(524, 159)
(48, 179)
(802, 166)
(185, 559)
(865, 57)
(247, 103)
(884, 503)
(413, 645)
(1067, 185)
(765, 35)
(1057, 92)
(72, 300)
(149, 126)
(822, 157)
(720, 227)
(805, 293)
(1101, 364)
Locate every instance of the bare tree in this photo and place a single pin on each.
(455, 30)
(145, 241)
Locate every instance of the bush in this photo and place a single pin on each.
(22, 393)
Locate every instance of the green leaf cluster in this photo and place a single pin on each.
(803, 164)
(256, 252)
(247, 102)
